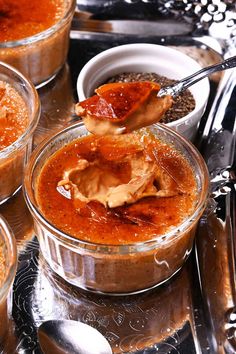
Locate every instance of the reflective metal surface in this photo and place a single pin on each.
(201, 15)
(72, 337)
(216, 246)
(161, 320)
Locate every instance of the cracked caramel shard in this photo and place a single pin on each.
(123, 107)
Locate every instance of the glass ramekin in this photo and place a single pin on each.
(111, 269)
(8, 266)
(40, 56)
(14, 157)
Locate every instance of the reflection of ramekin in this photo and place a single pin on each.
(110, 268)
(40, 56)
(7, 273)
(14, 156)
(137, 323)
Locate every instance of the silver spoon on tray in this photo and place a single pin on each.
(178, 87)
(71, 337)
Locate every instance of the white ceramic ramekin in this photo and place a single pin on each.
(144, 57)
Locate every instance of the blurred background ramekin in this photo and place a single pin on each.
(41, 56)
(147, 58)
(115, 269)
(8, 263)
(14, 157)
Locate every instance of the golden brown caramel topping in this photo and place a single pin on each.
(117, 100)
(123, 107)
(24, 18)
(117, 157)
(13, 115)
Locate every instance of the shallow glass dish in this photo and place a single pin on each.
(8, 262)
(14, 157)
(40, 57)
(115, 269)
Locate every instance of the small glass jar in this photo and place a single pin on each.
(14, 157)
(8, 263)
(116, 269)
(41, 56)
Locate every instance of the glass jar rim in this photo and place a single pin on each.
(126, 248)
(41, 35)
(22, 140)
(10, 242)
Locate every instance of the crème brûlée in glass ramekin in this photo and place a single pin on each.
(8, 262)
(34, 36)
(116, 214)
(19, 115)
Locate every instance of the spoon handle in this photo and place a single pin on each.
(192, 79)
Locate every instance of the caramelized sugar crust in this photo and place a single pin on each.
(14, 116)
(145, 219)
(116, 101)
(24, 18)
(123, 107)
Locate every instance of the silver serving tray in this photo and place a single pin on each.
(185, 315)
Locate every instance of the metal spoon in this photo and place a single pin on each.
(71, 337)
(183, 84)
